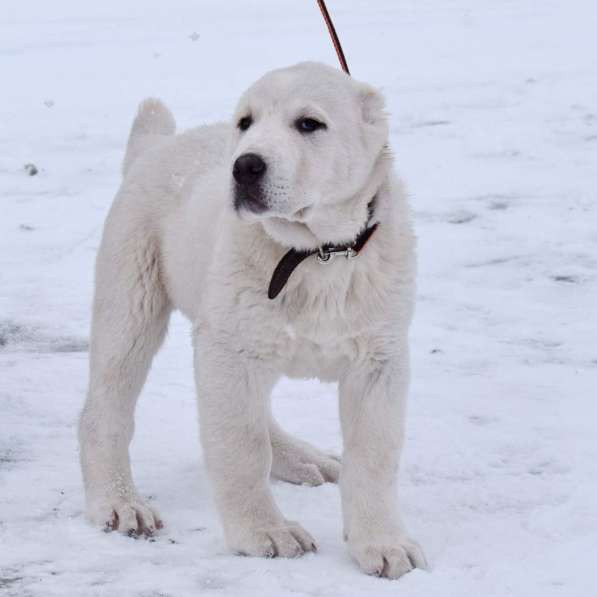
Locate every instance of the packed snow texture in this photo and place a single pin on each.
(494, 125)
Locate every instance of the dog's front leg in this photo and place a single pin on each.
(233, 394)
(372, 397)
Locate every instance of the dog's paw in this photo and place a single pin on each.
(286, 540)
(130, 516)
(297, 462)
(390, 557)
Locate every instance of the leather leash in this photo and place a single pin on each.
(333, 35)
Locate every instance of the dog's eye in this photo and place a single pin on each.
(244, 123)
(308, 125)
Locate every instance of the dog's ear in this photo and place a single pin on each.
(372, 105)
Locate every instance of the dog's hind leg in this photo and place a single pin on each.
(296, 461)
(130, 317)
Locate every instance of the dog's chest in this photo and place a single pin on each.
(304, 357)
(321, 340)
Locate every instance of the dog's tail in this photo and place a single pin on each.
(153, 122)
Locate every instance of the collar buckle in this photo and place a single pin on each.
(326, 256)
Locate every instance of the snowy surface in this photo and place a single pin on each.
(494, 123)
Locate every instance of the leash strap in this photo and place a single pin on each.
(333, 35)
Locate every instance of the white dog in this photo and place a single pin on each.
(285, 238)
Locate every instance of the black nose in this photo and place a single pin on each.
(248, 168)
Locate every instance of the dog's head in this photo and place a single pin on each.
(306, 142)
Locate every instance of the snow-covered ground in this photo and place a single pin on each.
(494, 124)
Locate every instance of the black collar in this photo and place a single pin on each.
(325, 254)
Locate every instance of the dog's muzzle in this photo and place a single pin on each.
(248, 172)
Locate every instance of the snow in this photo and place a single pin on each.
(494, 125)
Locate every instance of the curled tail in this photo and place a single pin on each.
(153, 122)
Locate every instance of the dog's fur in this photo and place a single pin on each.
(173, 240)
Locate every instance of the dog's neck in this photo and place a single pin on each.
(338, 223)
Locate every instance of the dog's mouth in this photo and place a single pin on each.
(250, 198)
